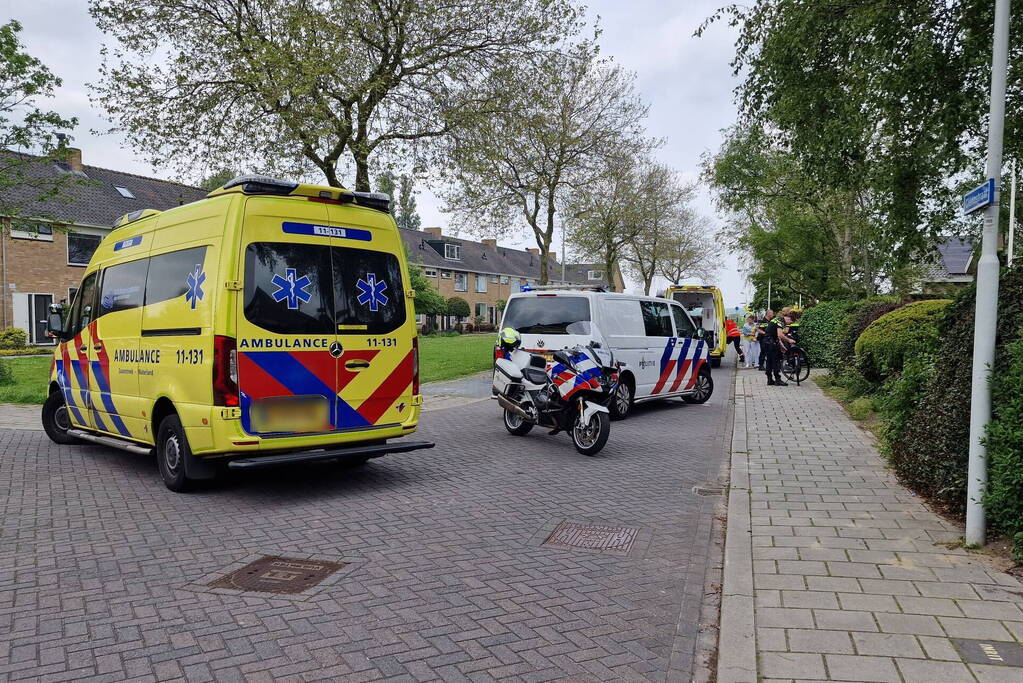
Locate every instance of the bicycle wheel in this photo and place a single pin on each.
(803, 365)
(789, 367)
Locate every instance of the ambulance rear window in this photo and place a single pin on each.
(319, 289)
(546, 314)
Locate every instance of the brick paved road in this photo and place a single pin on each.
(447, 578)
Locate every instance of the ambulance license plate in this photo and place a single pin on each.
(290, 414)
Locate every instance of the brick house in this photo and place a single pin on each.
(485, 274)
(42, 259)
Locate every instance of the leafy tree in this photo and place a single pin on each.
(386, 184)
(218, 179)
(407, 216)
(458, 307)
(428, 300)
(563, 112)
(24, 127)
(689, 250)
(295, 86)
(879, 99)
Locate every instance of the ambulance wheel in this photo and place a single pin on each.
(516, 424)
(703, 390)
(621, 401)
(171, 451)
(57, 420)
(590, 437)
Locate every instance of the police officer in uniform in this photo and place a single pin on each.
(771, 349)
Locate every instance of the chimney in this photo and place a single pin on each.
(436, 232)
(552, 255)
(489, 243)
(533, 250)
(74, 159)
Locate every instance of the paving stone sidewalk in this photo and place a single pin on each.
(14, 416)
(846, 574)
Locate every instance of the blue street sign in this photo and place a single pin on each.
(977, 198)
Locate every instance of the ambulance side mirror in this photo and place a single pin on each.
(55, 325)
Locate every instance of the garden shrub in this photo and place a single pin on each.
(13, 338)
(852, 382)
(818, 328)
(859, 315)
(901, 394)
(1004, 499)
(930, 455)
(884, 344)
(861, 408)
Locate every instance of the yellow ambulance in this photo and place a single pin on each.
(706, 307)
(270, 323)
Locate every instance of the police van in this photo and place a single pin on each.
(661, 351)
(269, 323)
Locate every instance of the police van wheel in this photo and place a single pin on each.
(57, 420)
(703, 390)
(516, 424)
(171, 451)
(621, 401)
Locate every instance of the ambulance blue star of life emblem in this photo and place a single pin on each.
(291, 288)
(194, 293)
(372, 292)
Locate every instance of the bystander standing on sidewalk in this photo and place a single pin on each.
(750, 344)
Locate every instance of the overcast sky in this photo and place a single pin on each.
(686, 81)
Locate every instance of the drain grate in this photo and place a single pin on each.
(709, 489)
(278, 575)
(592, 537)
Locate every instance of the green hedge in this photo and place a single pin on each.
(931, 452)
(859, 315)
(1004, 499)
(885, 343)
(818, 332)
(13, 338)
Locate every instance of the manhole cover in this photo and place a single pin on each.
(592, 537)
(278, 575)
(990, 652)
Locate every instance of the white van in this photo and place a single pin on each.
(661, 352)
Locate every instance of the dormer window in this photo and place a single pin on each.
(453, 252)
(124, 192)
(594, 275)
(484, 256)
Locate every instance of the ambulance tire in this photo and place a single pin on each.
(172, 450)
(715, 361)
(56, 420)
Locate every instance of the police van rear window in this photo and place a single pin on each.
(546, 314)
(318, 289)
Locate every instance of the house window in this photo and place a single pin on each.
(453, 252)
(80, 248)
(445, 274)
(72, 292)
(430, 272)
(124, 192)
(594, 275)
(32, 231)
(504, 279)
(481, 283)
(481, 310)
(494, 279)
(461, 282)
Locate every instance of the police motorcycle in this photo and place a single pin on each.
(567, 393)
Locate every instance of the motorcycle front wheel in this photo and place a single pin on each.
(516, 424)
(591, 436)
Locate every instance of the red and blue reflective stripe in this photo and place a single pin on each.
(65, 387)
(684, 361)
(667, 365)
(101, 370)
(700, 360)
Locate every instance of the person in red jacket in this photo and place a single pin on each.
(732, 336)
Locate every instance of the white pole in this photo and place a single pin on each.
(1012, 210)
(768, 293)
(987, 290)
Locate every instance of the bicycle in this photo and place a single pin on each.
(795, 365)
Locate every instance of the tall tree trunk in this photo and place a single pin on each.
(361, 170)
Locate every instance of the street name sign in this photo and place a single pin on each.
(979, 197)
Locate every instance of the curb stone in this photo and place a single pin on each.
(737, 646)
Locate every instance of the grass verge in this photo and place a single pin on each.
(30, 379)
(442, 358)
